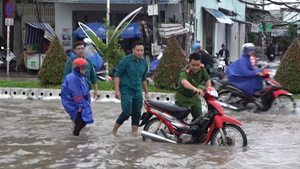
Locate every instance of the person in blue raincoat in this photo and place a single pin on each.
(242, 74)
(75, 96)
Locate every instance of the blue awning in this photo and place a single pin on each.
(132, 31)
(222, 18)
(35, 32)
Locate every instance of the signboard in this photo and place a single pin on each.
(33, 61)
(268, 28)
(9, 9)
(279, 32)
(9, 21)
(254, 28)
(152, 10)
(187, 27)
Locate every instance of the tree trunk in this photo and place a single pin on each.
(17, 41)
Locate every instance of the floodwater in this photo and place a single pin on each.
(37, 135)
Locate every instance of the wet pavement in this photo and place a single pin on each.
(37, 135)
(18, 76)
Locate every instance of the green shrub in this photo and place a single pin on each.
(166, 74)
(111, 51)
(288, 71)
(52, 70)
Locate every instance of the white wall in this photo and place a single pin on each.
(221, 39)
(233, 43)
(242, 32)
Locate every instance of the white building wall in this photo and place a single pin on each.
(233, 44)
(242, 32)
(221, 35)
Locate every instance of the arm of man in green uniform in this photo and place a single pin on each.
(68, 68)
(94, 82)
(119, 72)
(144, 82)
(183, 77)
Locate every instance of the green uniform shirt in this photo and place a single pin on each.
(131, 73)
(194, 79)
(90, 72)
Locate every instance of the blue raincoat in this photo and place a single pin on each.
(242, 75)
(75, 94)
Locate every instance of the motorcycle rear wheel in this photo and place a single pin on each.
(231, 131)
(152, 127)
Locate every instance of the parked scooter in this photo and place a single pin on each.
(235, 99)
(169, 124)
(220, 64)
(3, 60)
(103, 76)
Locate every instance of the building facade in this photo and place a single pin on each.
(220, 22)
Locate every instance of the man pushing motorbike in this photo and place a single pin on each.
(242, 74)
(189, 79)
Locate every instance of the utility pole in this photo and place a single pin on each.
(263, 34)
(185, 8)
(154, 26)
(108, 21)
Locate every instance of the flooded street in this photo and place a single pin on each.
(37, 135)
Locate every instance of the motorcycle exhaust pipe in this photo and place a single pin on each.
(226, 105)
(156, 137)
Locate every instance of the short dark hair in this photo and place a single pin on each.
(139, 42)
(223, 45)
(195, 56)
(78, 43)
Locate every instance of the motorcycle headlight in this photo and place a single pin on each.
(213, 93)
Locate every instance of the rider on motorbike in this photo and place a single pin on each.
(206, 59)
(242, 74)
(189, 79)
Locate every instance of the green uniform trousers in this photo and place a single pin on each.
(193, 102)
(131, 104)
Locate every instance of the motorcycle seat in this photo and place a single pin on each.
(224, 82)
(168, 107)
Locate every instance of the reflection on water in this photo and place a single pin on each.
(37, 134)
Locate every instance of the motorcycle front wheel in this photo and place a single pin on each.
(234, 136)
(153, 127)
(237, 102)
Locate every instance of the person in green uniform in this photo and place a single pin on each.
(130, 77)
(90, 73)
(189, 79)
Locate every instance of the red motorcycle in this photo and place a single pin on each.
(169, 124)
(235, 99)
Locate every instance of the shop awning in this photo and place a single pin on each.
(112, 1)
(240, 21)
(222, 18)
(166, 30)
(35, 32)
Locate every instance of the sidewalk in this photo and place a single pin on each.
(18, 76)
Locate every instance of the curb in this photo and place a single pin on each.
(54, 94)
